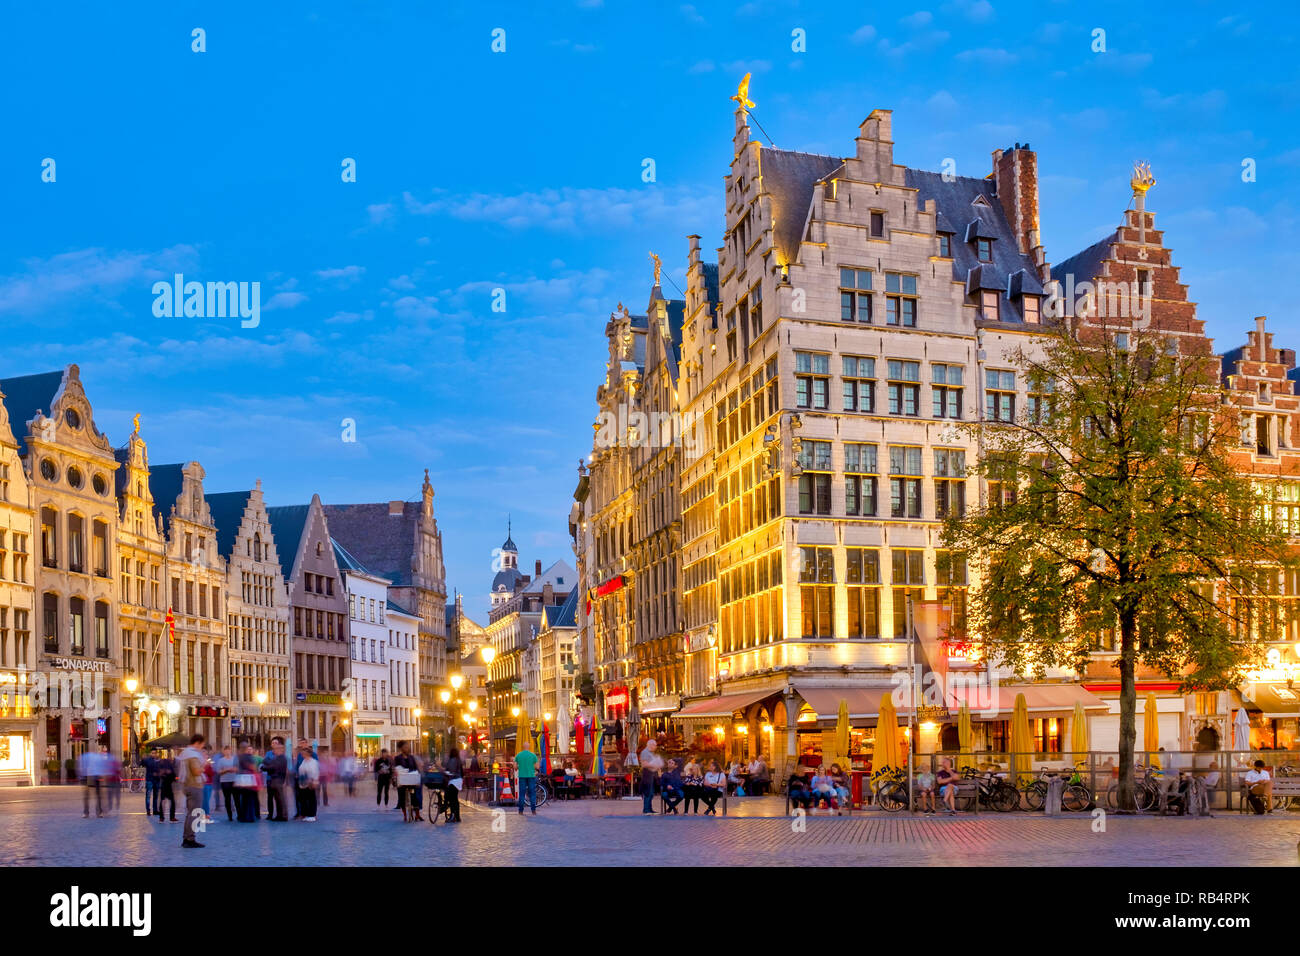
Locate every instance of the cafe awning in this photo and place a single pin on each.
(1277, 700)
(660, 705)
(1043, 700)
(864, 702)
(723, 706)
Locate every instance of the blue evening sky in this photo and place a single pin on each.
(522, 170)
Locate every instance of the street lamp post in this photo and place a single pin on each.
(489, 654)
(131, 684)
(347, 721)
(418, 713)
(261, 719)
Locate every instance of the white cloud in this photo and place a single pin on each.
(380, 212)
(942, 100)
(701, 66)
(863, 34)
(918, 19)
(691, 14)
(569, 208)
(347, 274)
(284, 300)
(87, 273)
(988, 56)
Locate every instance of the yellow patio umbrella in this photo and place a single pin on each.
(1022, 759)
(887, 752)
(964, 734)
(842, 738)
(523, 732)
(1151, 731)
(1079, 734)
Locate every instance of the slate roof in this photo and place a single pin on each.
(789, 178)
(227, 510)
(958, 211)
(165, 481)
(288, 522)
(24, 394)
(394, 606)
(676, 319)
(1085, 266)
(711, 282)
(345, 561)
(566, 614)
(507, 579)
(381, 542)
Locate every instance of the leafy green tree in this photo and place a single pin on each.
(1113, 505)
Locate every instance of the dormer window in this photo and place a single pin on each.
(945, 245)
(877, 225)
(989, 307)
(1029, 304)
(984, 249)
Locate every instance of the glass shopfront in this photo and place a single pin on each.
(15, 754)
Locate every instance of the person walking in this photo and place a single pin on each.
(383, 777)
(455, 769)
(651, 764)
(88, 769)
(348, 773)
(526, 777)
(276, 767)
(190, 774)
(209, 785)
(308, 782)
(225, 767)
(166, 786)
(150, 765)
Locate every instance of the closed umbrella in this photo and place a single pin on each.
(1241, 730)
(1022, 758)
(1079, 733)
(523, 732)
(562, 731)
(545, 751)
(597, 748)
(1151, 731)
(842, 738)
(580, 735)
(964, 734)
(887, 752)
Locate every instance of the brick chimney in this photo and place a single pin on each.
(548, 594)
(537, 570)
(1015, 174)
(1261, 339)
(396, 508)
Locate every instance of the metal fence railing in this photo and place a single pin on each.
(1222, 771)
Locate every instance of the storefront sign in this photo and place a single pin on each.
(320, 698)
(617, 697)
(236, 723)
(77, 664)
(200, 710)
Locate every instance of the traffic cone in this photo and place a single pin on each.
(506, 792)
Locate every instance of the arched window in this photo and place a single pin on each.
(257, 547)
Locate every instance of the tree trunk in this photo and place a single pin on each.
(1127, 706)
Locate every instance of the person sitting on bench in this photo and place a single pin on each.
(671, 788)
(1259, 788)
(798, 793)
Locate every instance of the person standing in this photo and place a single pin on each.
(308, 782)
(383, 777)
(150, 764)
(247, 805)
(190, 774)
(455, 770)
(408, 797)
(225, 768)
(276, 767)
(526, 775)
(651, 764)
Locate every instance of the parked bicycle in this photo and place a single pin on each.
(990, 791)
(890, 784)
(1146, 790)
(1074, 798)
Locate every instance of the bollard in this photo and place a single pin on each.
(1055, 787)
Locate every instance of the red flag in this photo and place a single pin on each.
(171, 627)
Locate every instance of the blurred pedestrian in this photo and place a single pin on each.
(383, 777)
(225, 767)
(249, 776)
(151, 783)
(88, 769)
(166, 786)
(651, 764)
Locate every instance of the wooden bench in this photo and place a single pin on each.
(1285, 789)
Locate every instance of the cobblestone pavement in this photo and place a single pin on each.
(44, 827)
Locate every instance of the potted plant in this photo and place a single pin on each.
(52, 770)
(69, 769)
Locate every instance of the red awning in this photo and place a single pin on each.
(1042, 700)
(722, 706)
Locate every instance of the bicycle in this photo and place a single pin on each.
(990, 791)
(1074, 798)
(435, 781)
(133, 780)
(891, 792)
(1146, 791)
